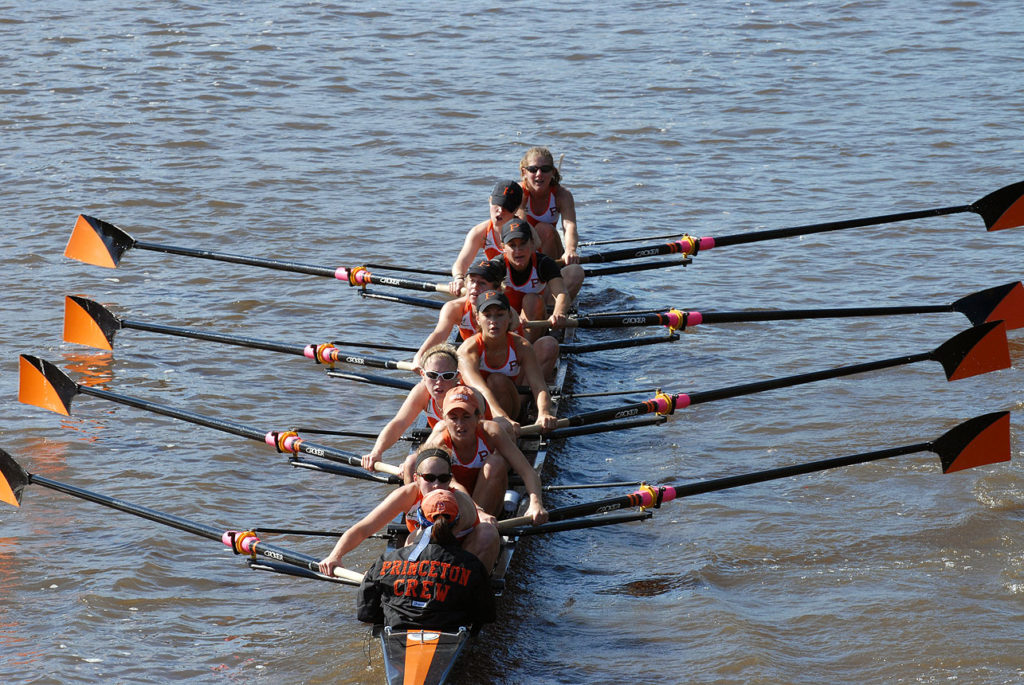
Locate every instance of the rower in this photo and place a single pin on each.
(532, 278)
(482, 454)
(480, 277)
(439, 372)
(433, 471)
(506, 198)
(455, 591)
(495, 360)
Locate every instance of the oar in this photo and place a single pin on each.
(45, 385)
(969, 353)
(15, 479)
(403, 299)
(1001, 303)
(1003, 208)
(976, 442)
(642, 266)
(373, 379)
(101, 243)
(580, 348)
(89, 323)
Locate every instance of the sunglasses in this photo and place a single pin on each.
(440, 478)
(546, 168)
(443, 375)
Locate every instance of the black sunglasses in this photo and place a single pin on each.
(546, 168)
(440, 478)
(443, 375)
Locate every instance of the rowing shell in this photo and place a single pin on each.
(428, 657)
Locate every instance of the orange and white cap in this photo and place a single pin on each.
(440, 502)
(461, 396)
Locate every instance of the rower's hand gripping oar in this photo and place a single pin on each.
(1001, 303)
(15, 479)
(1001, 209)
(977, 442)
(972, 352)
(101, 243)
(45, 385)
(89, 323)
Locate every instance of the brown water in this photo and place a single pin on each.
(340, 134)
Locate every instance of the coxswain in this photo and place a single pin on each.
(545, 199)
(432, 471)
(432, 583)
(482, 454)
(531, 278)
(506, 199)
(495, 361)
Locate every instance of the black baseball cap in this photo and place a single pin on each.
(486, 269)
(507, 195)
(491, 297)
(516, 228)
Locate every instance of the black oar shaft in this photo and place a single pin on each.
(772, 234)
(331, 355)
(634, 499)
(800, 379)
(313, 449)
(280, 265)
(627, 268)
(835, 313)
(258, 548)
(197, 334)
(684, 400)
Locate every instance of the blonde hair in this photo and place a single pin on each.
(441, 350)
(538, 151)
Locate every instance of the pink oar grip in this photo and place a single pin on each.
(309, 352)
(706, 243)
(694, 319)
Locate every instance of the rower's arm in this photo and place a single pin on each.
(469, 368)
(561, 295)
(473, 243)
(447, 318)
(535, 379)
(414, 403)
(398, 501)
(567, 208)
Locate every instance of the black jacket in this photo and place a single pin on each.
(446, 587)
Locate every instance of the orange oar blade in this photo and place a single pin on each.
(1003, 208)
(975, 351)
(13, 480)
(89, 323)
(44, 385)
(98, 242)
(977, 442)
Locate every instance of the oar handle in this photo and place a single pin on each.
(348, 575)
(535, 428)
(389, 469)
(513, 523)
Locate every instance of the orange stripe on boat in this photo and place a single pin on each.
(420, 646)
